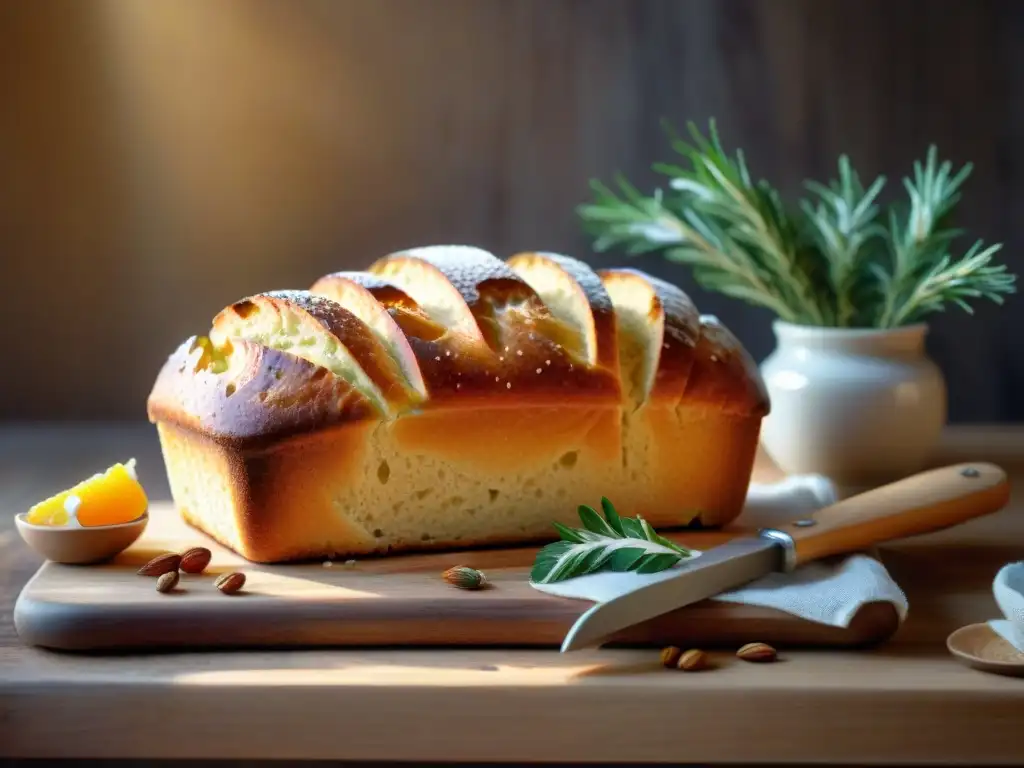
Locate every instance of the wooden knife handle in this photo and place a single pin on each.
(922, 503)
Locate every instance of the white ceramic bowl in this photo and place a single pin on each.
(80, 546)
(1008, 588)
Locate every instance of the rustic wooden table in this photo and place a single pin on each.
(905, 702)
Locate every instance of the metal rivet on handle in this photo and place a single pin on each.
(803, 523)
(971, 472)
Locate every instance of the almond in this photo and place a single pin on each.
(195, 560)
(167, 582)
(230, 583)
(756, 652)
(692, 660)
(670, 655)
(158, 566)
(464, 577)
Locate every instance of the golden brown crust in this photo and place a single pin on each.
(447, 362)
(445, 282)
(524, 361)
(697, 362)
(401, 309)
(289, 493)
(334, 319)
(679, 340)
(724, 374)
(258, 397)
(479, 277)
(449, 479)
(367, 297)
(472, 292)
(565, 274)
(671, 325)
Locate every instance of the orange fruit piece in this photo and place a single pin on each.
(112, 497)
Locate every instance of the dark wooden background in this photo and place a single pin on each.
(161, 159)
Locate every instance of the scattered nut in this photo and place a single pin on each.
(167, 581)
(692, 660)
(464, 577)
(230, 583)
(158, 566)
(670, 655)
(756, 652)
(195, 560)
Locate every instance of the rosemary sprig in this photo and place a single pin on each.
(828, 261)
(643, 224)
(972, 276)
(724, 200)
(923, 276)
(843, 224)
(610, 543)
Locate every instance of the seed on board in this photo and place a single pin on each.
(230, 583)
(669, 656)
(692, 660)
(464, 577)
(757, 652)
(195, 560)
(161, 564)
(167, 581)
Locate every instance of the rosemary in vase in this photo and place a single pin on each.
(837, 258)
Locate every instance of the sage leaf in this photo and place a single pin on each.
(594, 523)
(611, 543)
(612, 516)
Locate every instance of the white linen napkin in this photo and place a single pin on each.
(825, 592)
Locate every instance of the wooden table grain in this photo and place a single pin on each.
(905, 702)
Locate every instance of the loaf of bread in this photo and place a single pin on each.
(447, 398)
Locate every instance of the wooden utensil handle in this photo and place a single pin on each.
(926, 502)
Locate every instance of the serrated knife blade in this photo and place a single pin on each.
(715, 571)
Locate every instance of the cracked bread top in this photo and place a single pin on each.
(451, 327)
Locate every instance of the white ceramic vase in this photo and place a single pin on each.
(861, 406)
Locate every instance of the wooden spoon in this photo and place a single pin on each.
(981, 647)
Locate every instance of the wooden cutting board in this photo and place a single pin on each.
(383, 601)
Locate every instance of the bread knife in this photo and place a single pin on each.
(923, 503)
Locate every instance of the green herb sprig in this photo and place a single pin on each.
(836, 259)
(611, 543)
